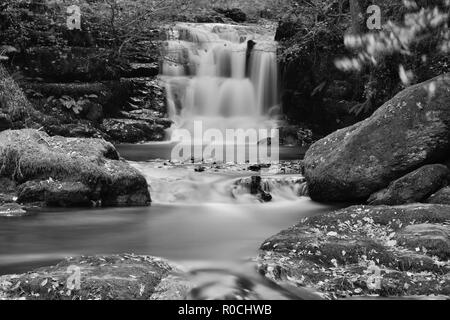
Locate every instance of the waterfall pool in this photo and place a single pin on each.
(193, 221)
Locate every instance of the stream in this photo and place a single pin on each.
(226, 77)
(194, 221)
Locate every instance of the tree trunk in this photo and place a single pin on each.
(356, 11)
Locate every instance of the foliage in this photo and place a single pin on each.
(72, 104)
(314, 26)
(14, 101)
(423, 32)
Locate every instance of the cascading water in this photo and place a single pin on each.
(224, 75)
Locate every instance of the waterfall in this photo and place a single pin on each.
(224, 75)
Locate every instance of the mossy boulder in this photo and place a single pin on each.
(119, 277)
(365, 250)
(413, 187)
(407, 132)
(69, 171)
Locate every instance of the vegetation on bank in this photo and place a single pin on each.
(322, 97)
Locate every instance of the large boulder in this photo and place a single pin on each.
(69, 171)
(413, 187)
(407, 132)
(365, 250)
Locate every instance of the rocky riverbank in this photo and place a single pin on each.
(365, 251)
(96, 82)
(396, 161)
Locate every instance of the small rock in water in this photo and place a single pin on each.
(12, 210)
(265, 196)
(258, 167)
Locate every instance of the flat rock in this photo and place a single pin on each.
(364, 250)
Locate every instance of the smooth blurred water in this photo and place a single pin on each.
(205, 232)
(194, 220)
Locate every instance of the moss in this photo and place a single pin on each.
(343, 252)
(13, 99)
(120, 277)
(32, 155)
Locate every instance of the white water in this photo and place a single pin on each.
(211, 75)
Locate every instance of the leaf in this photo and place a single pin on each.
(8, 49)
(43, 283)
(405, 76)
(77, 109)
(318, 89)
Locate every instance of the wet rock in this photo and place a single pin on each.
(70, 165)
(200, 169)
(408, 131)
(80, 129)
(132, 131)
(258, 167)
(440, 197)
(360, 251)
(140, 70)
(256, 189)
(235, 14)
(267, 187)
(12, 210)
(413, 187)
(56, 194)
(147, 115)
(119, 277)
